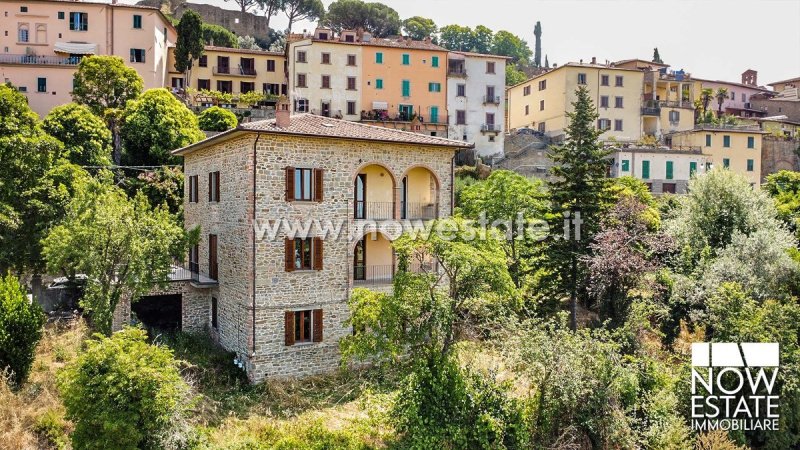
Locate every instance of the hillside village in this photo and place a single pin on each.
(381, 233)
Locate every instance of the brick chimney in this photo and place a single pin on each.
(594, 60)
(282, 113)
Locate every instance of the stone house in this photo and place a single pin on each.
(280, 301)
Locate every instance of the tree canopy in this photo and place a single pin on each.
(190, 42)
(419, 28)
(156, 124)
(87, 141)
(217, 119)
(376, 18)
(218, 36)
(302, 10)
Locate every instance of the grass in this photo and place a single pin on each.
(340, 410)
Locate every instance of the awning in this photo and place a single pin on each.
(383, 106)
(75, 48)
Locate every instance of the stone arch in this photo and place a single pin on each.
(374, 194)
(419, 193)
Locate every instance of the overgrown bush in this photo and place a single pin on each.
(442, 405)
(122, 392)
(21, 324)
(217, 119)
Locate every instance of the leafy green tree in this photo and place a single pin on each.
(86, 139)
(537, 55)
(217, 119)
(156, 124)
(270, 9)
(784, 188)
(245, 5)
(721, 94)
(105, 84)
(15, 114)
(163, 186)
(382, 20)
(482, 39)
(504, 200)
(248, 42)
(190, 44)
(376, 18)
(456, 37)
(514, 76)
(21, 325)
(657, 57)
(419, 28)
(218, 36)
(122, 392)
(296, 10)
(508, 44)
(124, 246)
(579, 187)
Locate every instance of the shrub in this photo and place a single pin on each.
(124, 393)
(444, 406)
(21, 324)
(217, 119)
(52, 428)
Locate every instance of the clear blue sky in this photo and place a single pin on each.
(716, 39)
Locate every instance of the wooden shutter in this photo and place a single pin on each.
(212, 256)
(317, 325)
(197, 188)
(216, 187)
(288, 327)
(210, 186)
(318, 184)
(317, 253)
(290, 184)
(288, 258)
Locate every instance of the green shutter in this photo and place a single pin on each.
(379, 58)
(406, 88)
(708, 140)
(435, 61)
(669, 170)
(751, 142)
(406, 59)
(750, 165)
(692, 168)
(626, 165)
(726, 163)
(645, 170)
(137, 21)
(379, 83)
(726, 141)
(434, 114)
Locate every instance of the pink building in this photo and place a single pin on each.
(738, 101)
(42, 42)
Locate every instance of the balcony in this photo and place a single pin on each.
(36, 60)
(419, 210)
(457, 71)
(378, 115)
(379, 194)
(651, 111)
(491, 99)
(190, 272)
(685, 103)
(491, 128)
(238, 71)
(364, 210)
(383, 274)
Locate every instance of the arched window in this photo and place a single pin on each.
(41, 33)
(23, 33)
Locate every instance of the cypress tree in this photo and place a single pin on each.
(537, 55)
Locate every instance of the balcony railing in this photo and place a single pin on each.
(676, 104)
(457, 72)
(364, 210)
(414, 210)
(71, 61)
(221, 70)
(491, 128)
(376, 275)
(189, 272)
(385, 116)
(235, 71)
(651, 111)
(491, 99)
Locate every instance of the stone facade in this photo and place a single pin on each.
(779, 154)
(276, 290)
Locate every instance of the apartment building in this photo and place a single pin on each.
(476, 100)
(542, 102)
(42, 42)
(738, 100)
(280, 302)
(404, 84)
(326, 75)
(780, 86)
(667, 97)
(664, 170)
(234, 70)
(737, 148)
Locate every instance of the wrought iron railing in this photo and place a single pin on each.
(364, 210)
(492, 127)
(491, 99)
(416, 210)
(375, 275)
(40, 60)
(189, 272)
(651, 111)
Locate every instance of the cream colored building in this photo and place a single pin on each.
(735, 148)
(664, 170)
(234, 70)
(542, 102)
(42, 42)
(325, 75)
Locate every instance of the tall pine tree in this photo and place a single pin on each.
(537, 53)
(578, 190)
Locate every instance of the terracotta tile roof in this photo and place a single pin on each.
(481, 55)
(213, 48)
(312, 125)
(784, 81)
(385, 42)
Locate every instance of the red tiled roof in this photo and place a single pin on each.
(311, 125)
(783, 81)
(213, 48)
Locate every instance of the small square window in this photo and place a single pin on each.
(301, 56)
(137, 21)
(604, 80)
(61, 15)
(351, 108)
(581, 78)
(379, 83)
(326, 58)
(41, 85)
(618, 81)
(406, 59)
(23, 9)
(351, 60)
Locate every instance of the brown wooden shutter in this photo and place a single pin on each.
(210, 186)
(317, 253)
(216, 190)
(288, 258)
(317, 325)
(290, 184)
(318, 184)
(288, 327)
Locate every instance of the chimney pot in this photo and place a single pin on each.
(282, 115)
(594, 60)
